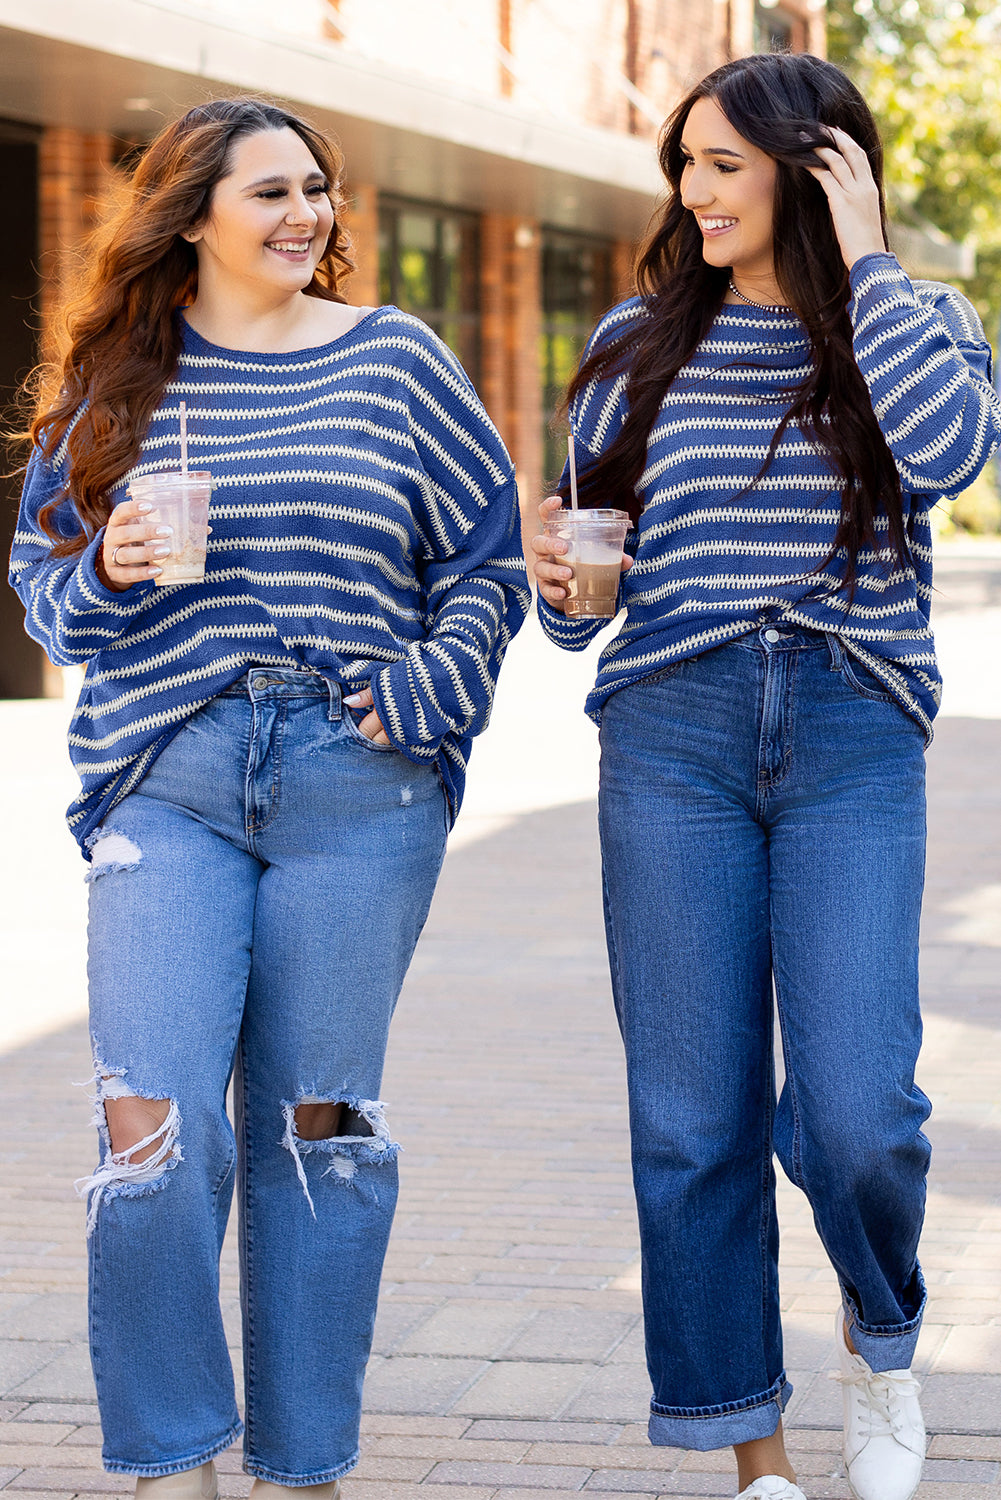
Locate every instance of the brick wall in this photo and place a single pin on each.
(575, 60)
(362, 217)
(509, 384)
(73, 168)
(570, 58)
(73, 171)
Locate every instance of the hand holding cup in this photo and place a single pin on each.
(133, 546)
(180, 503)
(579, 559)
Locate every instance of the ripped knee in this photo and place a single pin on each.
(346, 1130)
(314, 1122)
(110, 851)
(141, 1141)
(135, 1125)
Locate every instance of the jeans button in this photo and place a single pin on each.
(260, 683)
(771, 636)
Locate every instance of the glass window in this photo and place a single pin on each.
(429, 265)
(576, 290)
(772, 28)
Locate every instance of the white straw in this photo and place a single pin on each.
(573, 471)
(184, 438)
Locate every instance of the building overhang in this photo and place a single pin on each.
(83, 65)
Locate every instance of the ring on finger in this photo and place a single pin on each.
(114, 556)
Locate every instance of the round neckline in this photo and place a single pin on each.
(755, 310)
(192, 338)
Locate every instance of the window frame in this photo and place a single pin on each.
(603, 297)
(391, 208)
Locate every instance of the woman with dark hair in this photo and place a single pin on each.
(777, 410)
(269, 760)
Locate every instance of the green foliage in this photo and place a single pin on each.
(931, 71)
(978, 509)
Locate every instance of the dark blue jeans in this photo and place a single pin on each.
(762, 824)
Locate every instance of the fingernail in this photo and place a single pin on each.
(161, 551)
(144, 509)
(154, 572)
(354, 700)
(164, 531)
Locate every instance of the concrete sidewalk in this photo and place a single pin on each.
(509, 1349)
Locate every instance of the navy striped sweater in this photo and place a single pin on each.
(715, 557)
(364, 526)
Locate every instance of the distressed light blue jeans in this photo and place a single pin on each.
(762, 824)
(254, 907)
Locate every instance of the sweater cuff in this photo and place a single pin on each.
(571, 634)
(391, 701)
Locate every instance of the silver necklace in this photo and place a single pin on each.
(776, 307)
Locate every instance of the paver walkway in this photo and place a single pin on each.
(508, 1353)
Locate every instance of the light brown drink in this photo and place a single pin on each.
(593, 589)
(594, 541)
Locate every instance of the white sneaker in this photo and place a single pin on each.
(884, 1430)
(772, 1487)
(191, 1484)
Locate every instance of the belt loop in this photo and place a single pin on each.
(334, 712)
(836, 650)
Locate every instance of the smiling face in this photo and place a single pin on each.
(269, 219)
(729, 185)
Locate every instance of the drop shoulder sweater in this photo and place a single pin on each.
(717, 555)
(364, 526)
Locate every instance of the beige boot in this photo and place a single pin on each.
(192, 1484)
(262, 1489)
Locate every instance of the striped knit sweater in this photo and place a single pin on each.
(715, 558)
(364, 526)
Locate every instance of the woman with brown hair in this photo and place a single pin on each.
(269, 762)
(778, 411)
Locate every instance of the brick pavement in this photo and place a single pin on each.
(508, 1355)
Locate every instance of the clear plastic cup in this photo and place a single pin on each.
(594, 551)
(180, 501)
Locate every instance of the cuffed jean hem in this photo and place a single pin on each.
(888, 1346)
(297, 1481)
(176, 1465)
(707, 1427)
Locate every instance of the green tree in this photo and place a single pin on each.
(931, 71)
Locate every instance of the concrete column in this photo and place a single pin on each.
(740, 22)
(361, 214)
(816, 30)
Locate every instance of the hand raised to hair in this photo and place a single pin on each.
(852, 196)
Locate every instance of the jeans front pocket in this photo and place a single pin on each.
(353, 726)
(663, 673)
(864, 682)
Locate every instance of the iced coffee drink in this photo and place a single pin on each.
(594, 541)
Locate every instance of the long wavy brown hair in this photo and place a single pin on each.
(781, 103)
(121, 336)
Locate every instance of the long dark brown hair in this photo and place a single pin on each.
(781, 104)
(121, 336)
